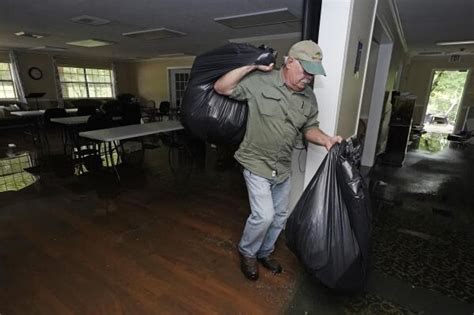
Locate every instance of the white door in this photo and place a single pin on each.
(178, 79)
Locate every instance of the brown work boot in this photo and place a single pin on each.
(249, 267)
(271, 264)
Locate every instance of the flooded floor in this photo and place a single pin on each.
(163, 242)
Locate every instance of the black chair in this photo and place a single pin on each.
(86, 102)
(163, 110)
(131, 114)
(113, 108)
(86, 106)
(86, 110)
(48, 126)
(99, 120)
(53, 113)
(149, 111)
(126, 98)
(89, 152)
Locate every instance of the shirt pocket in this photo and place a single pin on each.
(269, 104)
(305, 110)
(302, 115)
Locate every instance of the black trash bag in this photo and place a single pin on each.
(329, 229)
(208, 115)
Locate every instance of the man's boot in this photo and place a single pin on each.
(271, 264)
(249, 267)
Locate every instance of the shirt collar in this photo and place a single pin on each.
(279, 78)
(281, 83)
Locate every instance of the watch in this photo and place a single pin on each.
(35, 73)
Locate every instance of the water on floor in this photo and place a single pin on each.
(423, 241)
(70, 227)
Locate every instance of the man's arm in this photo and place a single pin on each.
(226, 84)
(317, 136)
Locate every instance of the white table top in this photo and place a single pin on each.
(132, 131)
(73, 120)
(32, 113)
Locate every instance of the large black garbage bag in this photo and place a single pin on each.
(206, 114)
(329, 229)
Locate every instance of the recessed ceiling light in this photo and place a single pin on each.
(459, 42)
(170, 55)
(430, 53)
(89, 43)
(49, 48)
(30, 34)
(156, 33)
(260, 18)
(89, 20)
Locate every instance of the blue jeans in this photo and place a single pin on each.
(269, 211)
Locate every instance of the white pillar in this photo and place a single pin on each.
(333, 39)
(376, 105)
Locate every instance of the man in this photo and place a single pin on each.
(281, 106)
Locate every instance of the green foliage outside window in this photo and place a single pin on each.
(85, 82)
(7, 87)
(446, 92)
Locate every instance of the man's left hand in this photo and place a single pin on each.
(331, 141)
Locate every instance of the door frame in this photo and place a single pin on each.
(461, 100)
(171, 82)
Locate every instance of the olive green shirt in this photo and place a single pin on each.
(277, 115)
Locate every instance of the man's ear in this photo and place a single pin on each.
(289, 62)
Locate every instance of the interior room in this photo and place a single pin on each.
(111, 204)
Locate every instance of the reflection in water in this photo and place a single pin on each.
(12, 174)
(433, 142)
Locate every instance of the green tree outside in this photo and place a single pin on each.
(446, 92)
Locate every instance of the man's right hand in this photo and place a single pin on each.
(265, 68)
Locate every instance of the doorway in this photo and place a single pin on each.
(373, 110)
(178, 79)
(446, 93)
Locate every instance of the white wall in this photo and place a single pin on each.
(343, 24)
(377, 89)
(369, 83)
(388, 32)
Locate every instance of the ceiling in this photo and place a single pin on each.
(423, 22)
(193, 17)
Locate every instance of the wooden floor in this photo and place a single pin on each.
(151, 246)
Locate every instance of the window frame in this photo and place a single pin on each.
(15, 92)
(87, 83)
(175, 95)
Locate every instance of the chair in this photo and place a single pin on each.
(53, 113)
(126, 98)
(48, 125)
(88, 152)
(131, 114)
(99, 120)
(113, 108)
(86, 110)
(86, 102)
(86, 106)
(149, 111)
(163, 110)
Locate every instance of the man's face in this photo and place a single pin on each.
(296, 78)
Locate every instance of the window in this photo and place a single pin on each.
(178, 81)
(7, 86)
(85, 82)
